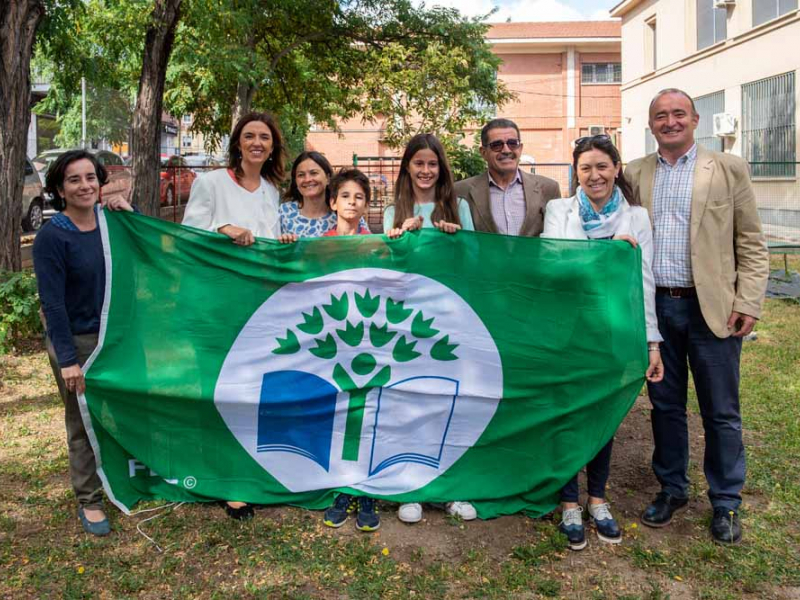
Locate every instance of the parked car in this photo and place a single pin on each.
(201, 163)
(32, 199)
(119, 176)
(176, 180)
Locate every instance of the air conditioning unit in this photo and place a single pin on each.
(724, 125)
(596, 130)
(724, 3)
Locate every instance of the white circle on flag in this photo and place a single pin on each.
(290, 413)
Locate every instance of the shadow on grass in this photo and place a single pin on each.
(24, 406)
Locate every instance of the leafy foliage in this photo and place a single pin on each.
(408, 68)
(19, 308)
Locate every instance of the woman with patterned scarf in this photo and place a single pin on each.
(601, 210)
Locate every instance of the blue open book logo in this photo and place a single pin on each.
(370, 379)
(412, 417)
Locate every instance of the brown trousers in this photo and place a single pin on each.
(82, 466)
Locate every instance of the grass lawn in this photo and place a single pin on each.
(285, 553)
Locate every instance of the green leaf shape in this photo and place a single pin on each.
(352, 334)
(325, 348)
(343, 379)
(421, 328)
(338, 307)
(443, 349)
(287, 345)
(396, 312)
(404, 351)
(363, 364)
(367, 304)
(312, 323)
(380, 336)
(381, 378)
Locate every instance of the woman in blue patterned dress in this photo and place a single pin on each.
(305, 210)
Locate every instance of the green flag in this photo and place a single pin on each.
(431, 368)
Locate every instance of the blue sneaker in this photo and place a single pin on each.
(607, 529)
(99, 528)
(572, 527)
(367, 518)
(336, 515)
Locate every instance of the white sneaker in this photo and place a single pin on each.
(410, 513)
(465, 510)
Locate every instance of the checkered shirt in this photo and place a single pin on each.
(672, 213)
(508, 205)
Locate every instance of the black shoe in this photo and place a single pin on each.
(367, 518)
(243, 513)
(336, 515)
(725, 526)
(659, 512)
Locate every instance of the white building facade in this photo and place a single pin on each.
(737, 59)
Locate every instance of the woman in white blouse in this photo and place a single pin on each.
(601, 209)
(242, 200)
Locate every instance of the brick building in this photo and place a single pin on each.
(567, 79)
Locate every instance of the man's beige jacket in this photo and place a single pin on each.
(730, 260)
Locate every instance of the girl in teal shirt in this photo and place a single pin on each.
(423, 193)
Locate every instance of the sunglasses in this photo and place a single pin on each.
(591, 138)
(497, 145)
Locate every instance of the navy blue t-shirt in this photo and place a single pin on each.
(70, 273)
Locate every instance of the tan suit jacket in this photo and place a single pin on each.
(538, 190)
(730, 260)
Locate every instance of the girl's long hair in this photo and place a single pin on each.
(273, 169)
(606, 146)
(446, 205)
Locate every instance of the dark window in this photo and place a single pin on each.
(711, 24)
(707, 106)
(601, 73)
(765, 10)
(768, 126)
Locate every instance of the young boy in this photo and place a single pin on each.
(349, 200)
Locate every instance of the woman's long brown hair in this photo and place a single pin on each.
(274, 168)
(446, 204)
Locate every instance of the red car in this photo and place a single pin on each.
(176, 180)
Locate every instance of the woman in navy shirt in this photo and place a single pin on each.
(70, 273)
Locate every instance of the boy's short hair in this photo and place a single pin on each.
(346, 175)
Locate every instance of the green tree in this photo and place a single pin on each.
(373, 329)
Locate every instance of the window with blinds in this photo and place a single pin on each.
(601, 73)
(769, 139)
(707, 106)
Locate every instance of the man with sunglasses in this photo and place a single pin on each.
(505, 199)
(711, 265)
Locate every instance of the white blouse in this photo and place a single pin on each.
(217, 200)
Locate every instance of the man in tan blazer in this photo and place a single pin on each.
(505, 199)
(711, 267)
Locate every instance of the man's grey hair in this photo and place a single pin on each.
(670, 91)
(497, 124)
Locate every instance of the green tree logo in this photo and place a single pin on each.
(369, 334)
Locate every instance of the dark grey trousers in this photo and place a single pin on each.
(82, 467)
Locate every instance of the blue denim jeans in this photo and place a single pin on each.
(714, 362)
(597, 471)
